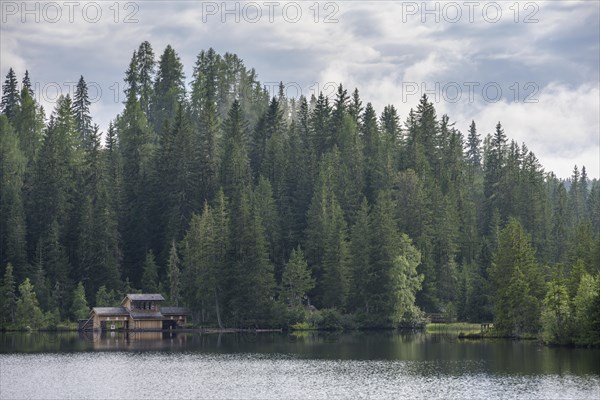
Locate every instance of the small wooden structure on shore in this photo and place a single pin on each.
(140, 312)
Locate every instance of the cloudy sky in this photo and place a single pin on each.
(534, 66)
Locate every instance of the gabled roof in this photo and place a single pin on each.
(145, 296)
(110, 311)
(175, 310)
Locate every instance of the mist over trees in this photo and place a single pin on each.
(247, 208)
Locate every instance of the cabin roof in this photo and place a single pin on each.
(110, 310)
(146, 296)
(146, 315)
(175, 311)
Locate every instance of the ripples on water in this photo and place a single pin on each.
(213, 375)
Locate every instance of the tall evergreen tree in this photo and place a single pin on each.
(28, 312)
(8, 296)
(12, 212)
(517, 282)
(150, 276)
(145, 76)
(252, 287)
(296, 279)
(27, 83)
(136, 146)
(81, 109)
(473, 153)
(9, 105)
(169, 87)
(174, 275)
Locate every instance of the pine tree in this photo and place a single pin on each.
(296, 280)
(252, 286)
(12, 212)
(271, 221)
(517, 282)
(8, 296)
(57, 266)
(145, 76)
(29, 125)
(169, 88)
(205, 271)
(360, 254)
(150, 276)
(414, 213)
(53, 196)
(132, 88)
(585, 305)
(136, 146)
(405, 282)
(98, 241)
(559, 224)
(205, 119)
(79, 307)
(174, 184)
(28, 312)
(473, 153)
(355, 108)
(319, 125)
(174, 275)
(594, 206)
(105, 298)
(81, 109)
(27, 84)
(235, 168)
(9, 105)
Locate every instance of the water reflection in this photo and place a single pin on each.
(442, 352)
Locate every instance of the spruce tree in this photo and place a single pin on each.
(150, 276)
(169, 88)
(8, 296)
(27, 84)
(9, 105)
(28, 312)
(517, 282)
(79, 307)
(174, 275)
(145, 76)
(81, 109)
(12, 211)
(296, 280)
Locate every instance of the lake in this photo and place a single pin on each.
(381, 365)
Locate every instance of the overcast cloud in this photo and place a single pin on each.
(544, 58)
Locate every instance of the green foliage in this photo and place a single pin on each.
(296, 280)
(150, 276)
(12, 212)
(8, 296)
(28, 312)
(174, 275)
(587, 311)
(556, 314)
(79, 307)
(106, 298)
(517, 282)
(209, 196)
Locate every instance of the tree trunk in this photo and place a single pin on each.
(217, 309)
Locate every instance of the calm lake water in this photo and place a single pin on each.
(280, 366)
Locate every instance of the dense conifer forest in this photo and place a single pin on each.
(249, 209)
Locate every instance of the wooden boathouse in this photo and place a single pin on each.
(140, 312)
